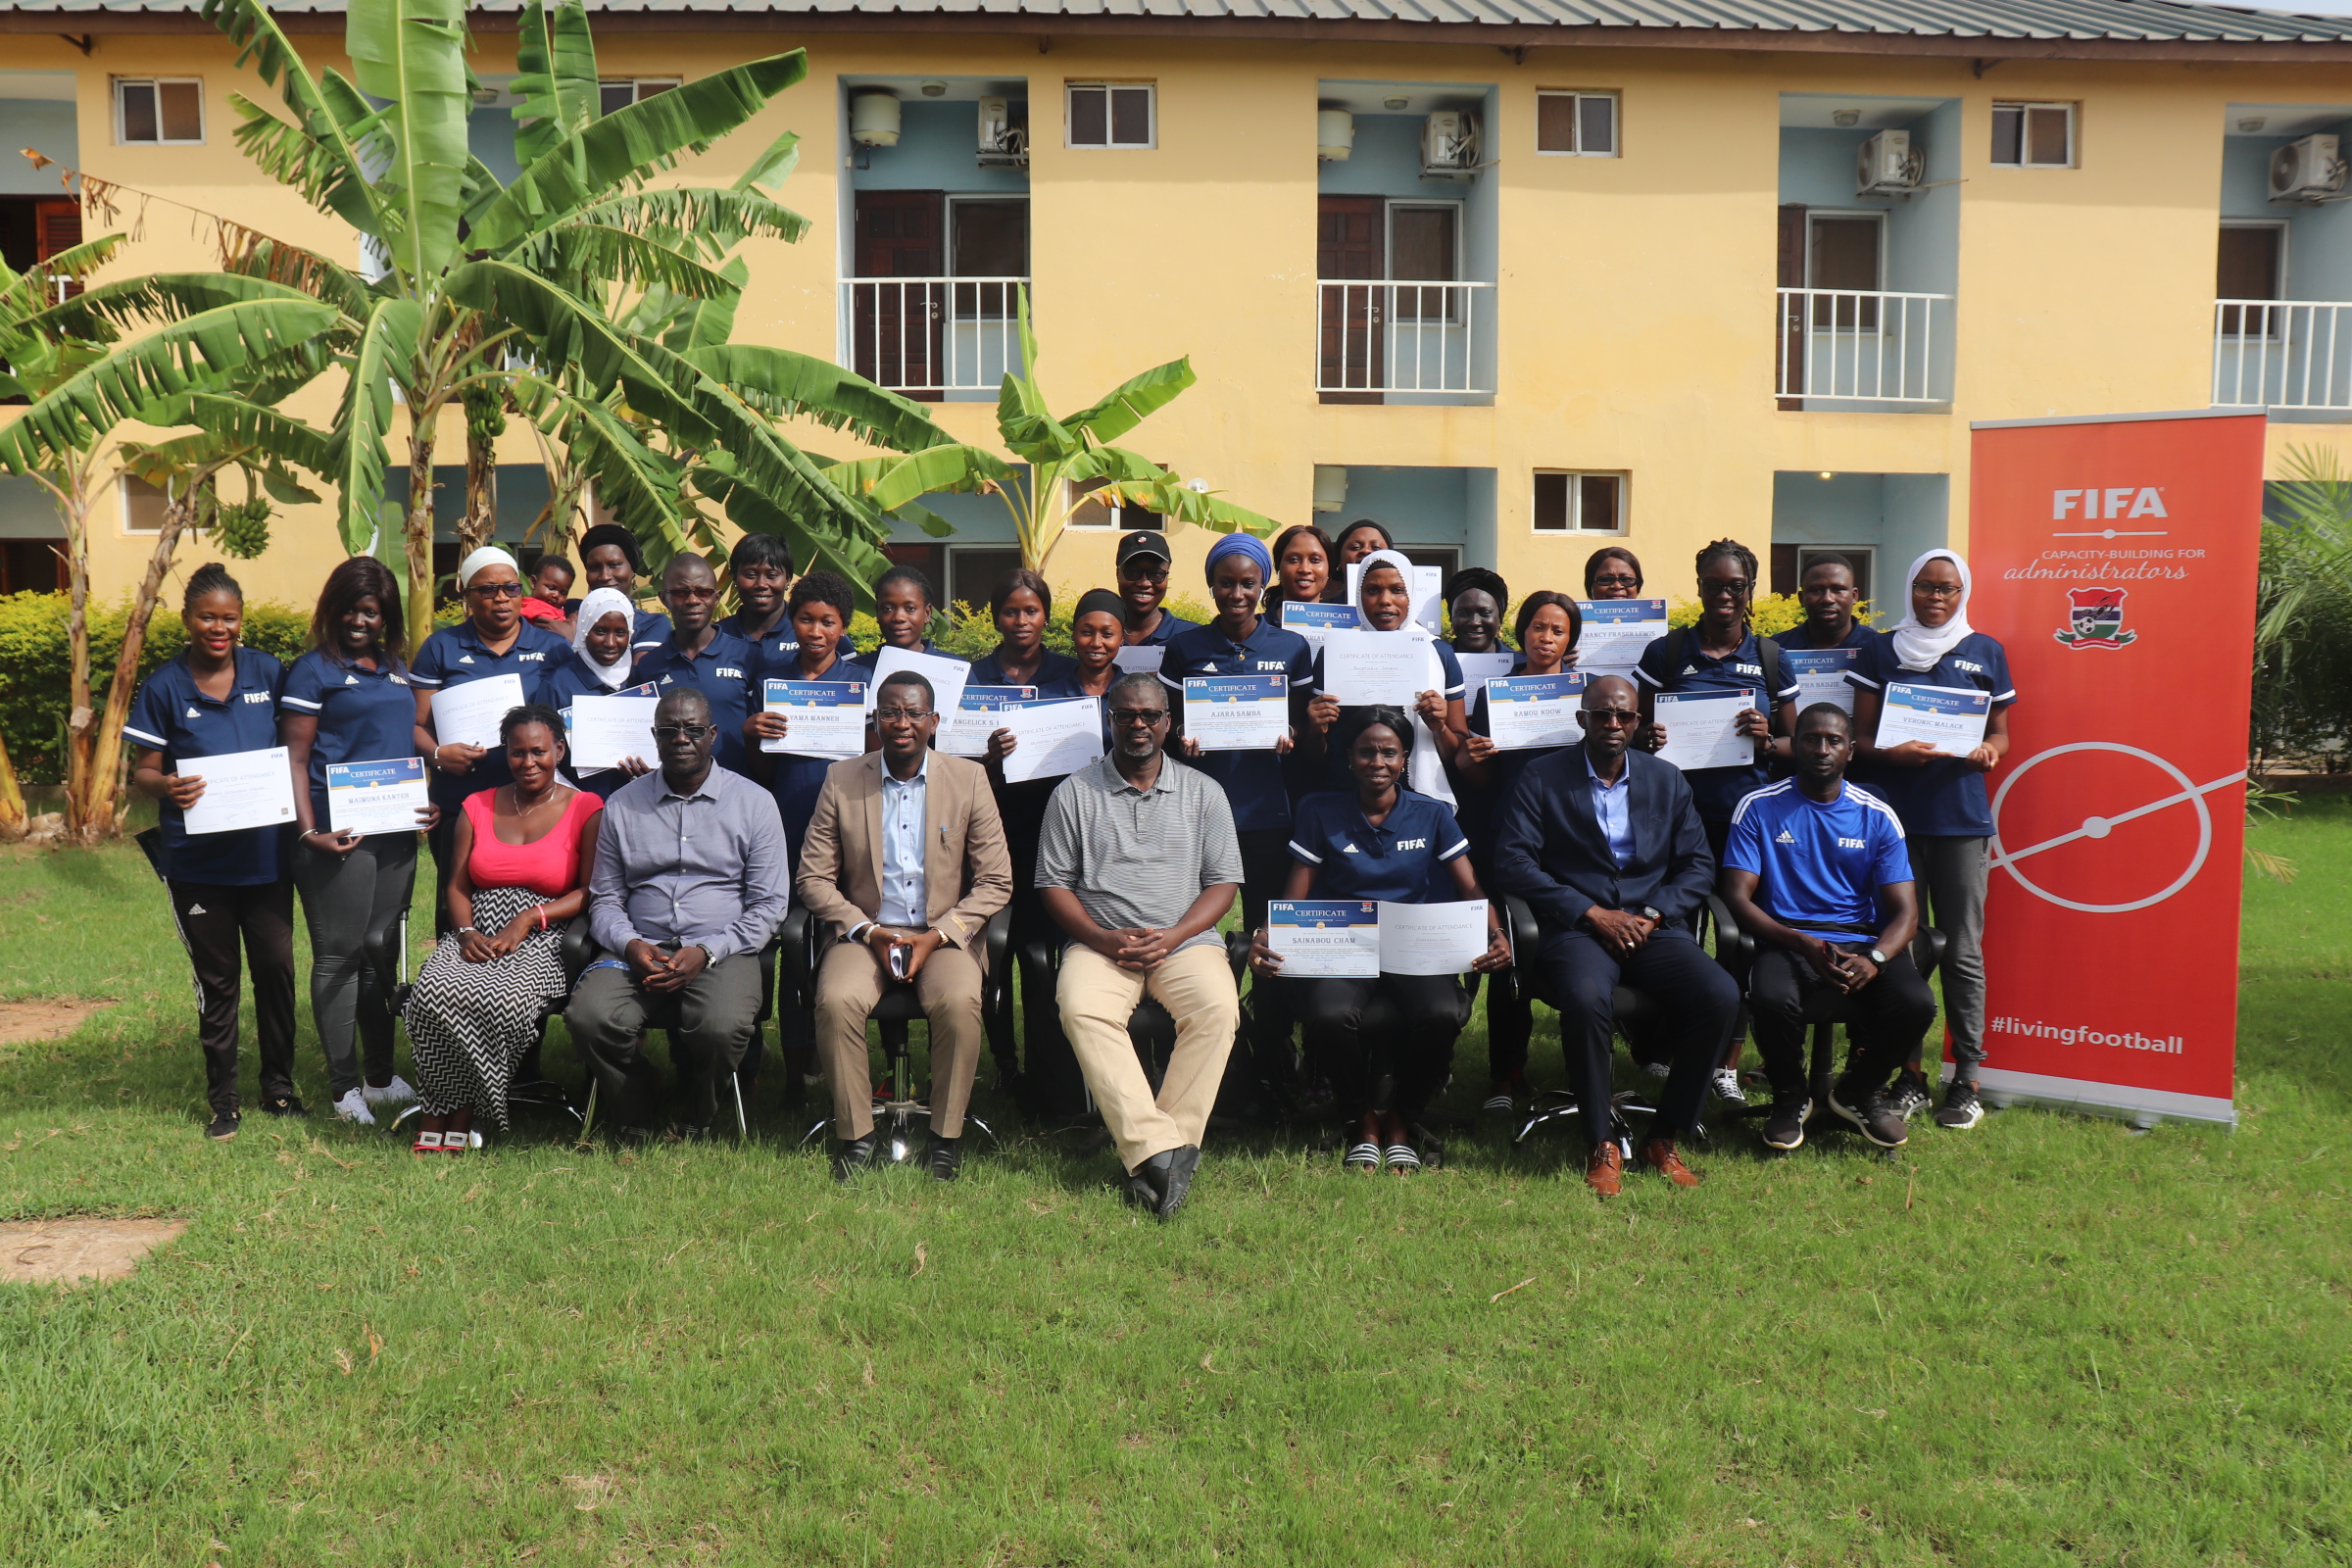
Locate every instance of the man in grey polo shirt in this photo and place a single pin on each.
(1137, 864)
(690, 882)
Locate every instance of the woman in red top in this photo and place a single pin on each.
(523, 853)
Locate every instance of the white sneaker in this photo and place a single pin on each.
(352, 1107)
(395, 1092)
(1726, 1086)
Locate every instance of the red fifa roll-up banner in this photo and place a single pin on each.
(2115, 558)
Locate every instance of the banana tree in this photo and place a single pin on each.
(541, 262)
(1064, 462)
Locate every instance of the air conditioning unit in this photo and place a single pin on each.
(2307, 170)
(1889, 164)
(1003, 134)
(1450, 145)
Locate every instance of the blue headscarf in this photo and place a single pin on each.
(1249, 545)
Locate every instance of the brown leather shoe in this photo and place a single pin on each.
(1659, 1156)
(1604, 1172)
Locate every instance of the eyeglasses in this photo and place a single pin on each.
(1937, 590)
(1143, 574)
(901, 716)
(1611, 718)
(1616, 579)
(686, 732)
(1129, 718)
(1720, 589)
(496, 590)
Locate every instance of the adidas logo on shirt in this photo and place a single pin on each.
(1785, 837)
(195, 712)
(351, 680)
(1351, 850)
(465, 658)
(195, 908)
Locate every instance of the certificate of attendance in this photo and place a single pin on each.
(1052, 738)
(1703, 730)
(1362, 667)
(1820, 675)
(1949, 719)
(606, 729)
(1237, 712)
(1524, 711)
(821, 717)
(1325, 938)
(470, 714)
(1614, 633)
(377, 797)
(241, 790)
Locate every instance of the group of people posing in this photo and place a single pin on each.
(1829, 850)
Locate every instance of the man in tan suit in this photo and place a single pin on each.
(905, 860)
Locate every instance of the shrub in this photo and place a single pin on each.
(36, 671)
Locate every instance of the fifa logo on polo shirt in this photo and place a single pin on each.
(530, 658)
(1973, 669)
(1853, 843)
(724, 673)
(1750, 669)
(257, 697)
(1412, 844)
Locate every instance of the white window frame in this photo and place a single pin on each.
(1150, 140)
(636, 86)
(202, 117)
(1616, 103)
(1119, 517)
(2074, 131)
(1576, 503)
(122, 496)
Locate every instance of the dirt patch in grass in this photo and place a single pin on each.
(43, 1251)
(45, 1017)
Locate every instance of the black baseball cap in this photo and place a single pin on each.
(1145, 542)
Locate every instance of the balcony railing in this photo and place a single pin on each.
(931, 335)
(2282, 354)
(1378, 338)
(1865, 346)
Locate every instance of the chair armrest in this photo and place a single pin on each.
(1520, 921)
(1237, 954)
(1734, 947)
(799, 953)
(579, 949)
(996, 941)
(1927, 950)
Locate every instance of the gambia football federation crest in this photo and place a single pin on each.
(2095, 620)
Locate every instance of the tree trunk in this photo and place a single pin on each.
(418, 528)
(12, 799)
(81, 741)
(105, 784)
(482, 494)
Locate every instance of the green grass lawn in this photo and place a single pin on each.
(2050, 1341)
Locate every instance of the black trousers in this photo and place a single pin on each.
(1397, 1068)
(1697, 999)
(1884, 1020)
(1265, 870)
(214, 920)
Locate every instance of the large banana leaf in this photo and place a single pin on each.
(583, 256)
(104, 312)
(388, 346)
(856, 557)
(413, 52)
(230, 423)
(631, 145)
(1170, 497)
(712, 221)
(339, 181)
(784, 385)
(1134, 402)
(566, 330)
(890, 484)
(276, 262)
(555, 64)
(179, 356)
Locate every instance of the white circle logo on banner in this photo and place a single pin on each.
(2191, 794)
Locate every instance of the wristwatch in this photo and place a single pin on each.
(1877, 960)
(1652, 915)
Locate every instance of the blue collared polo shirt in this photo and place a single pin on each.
(723, 673)
(1397, 862)
(1252, 781)
(456, 655)
(1716, 790)
(365, 716)
(1946, 799)
(171, 716)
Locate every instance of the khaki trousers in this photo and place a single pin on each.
(1096, 996)
(849, 982)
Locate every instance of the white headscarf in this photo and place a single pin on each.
(1917, 647)
(600, 603)
(1425, 768)
(487, 555)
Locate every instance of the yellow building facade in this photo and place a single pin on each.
(1652, 301)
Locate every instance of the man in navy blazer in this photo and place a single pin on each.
(1605, 845)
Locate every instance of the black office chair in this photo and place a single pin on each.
(1150, 1027)
(896, 1105)
(1736, 950)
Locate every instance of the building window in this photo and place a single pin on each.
(1576, 125)
(162, 111)
(618, 93)
(143, 506)
(1114, 114)
(1579, 503)
(1084, 512)
(2033, 135)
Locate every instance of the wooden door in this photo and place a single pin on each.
(2249, 271)
(897, 330)
(57, 229)
(1792, 315)
(1842, 253)
(1349, 248)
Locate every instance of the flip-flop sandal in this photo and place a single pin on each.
(426, 1144)
(1364, 1157)
(1401, 1159)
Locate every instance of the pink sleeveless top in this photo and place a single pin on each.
(549, 866)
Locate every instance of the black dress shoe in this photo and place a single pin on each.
(945, 1156)
(1182, 1163)
(1146, 1184)
(852, 1156)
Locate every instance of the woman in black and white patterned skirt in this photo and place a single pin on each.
(523, 854)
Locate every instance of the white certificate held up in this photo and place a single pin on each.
(377, 797)
(1949, 719)
(1325, 938)
(977, 717)
(946, 675)
(241, 790)
(1431, 938)
(1524, 711)
(1614, 633)
(1053, 738)
(1237, 712)
(1820, 674)
(605, 729)
(1701, 729)
(1362, 667)
(821, 717)
(1480, 668)
(1141, 659)
(470, 714)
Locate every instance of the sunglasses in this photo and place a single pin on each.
(1129, 718)
(1611, 718)
(686, 732)
(497, 590)
(1143, 574)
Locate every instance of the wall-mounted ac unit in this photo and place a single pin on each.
(1003, 135)
(2307, 170)
(1889, 164)
(1450, 145)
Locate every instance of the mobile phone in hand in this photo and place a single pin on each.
(900, 955)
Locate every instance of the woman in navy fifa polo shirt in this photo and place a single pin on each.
(347, 700)
(1381, 841)
(215, 700)
(1946, 816)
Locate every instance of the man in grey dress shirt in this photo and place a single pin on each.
(692, 879)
